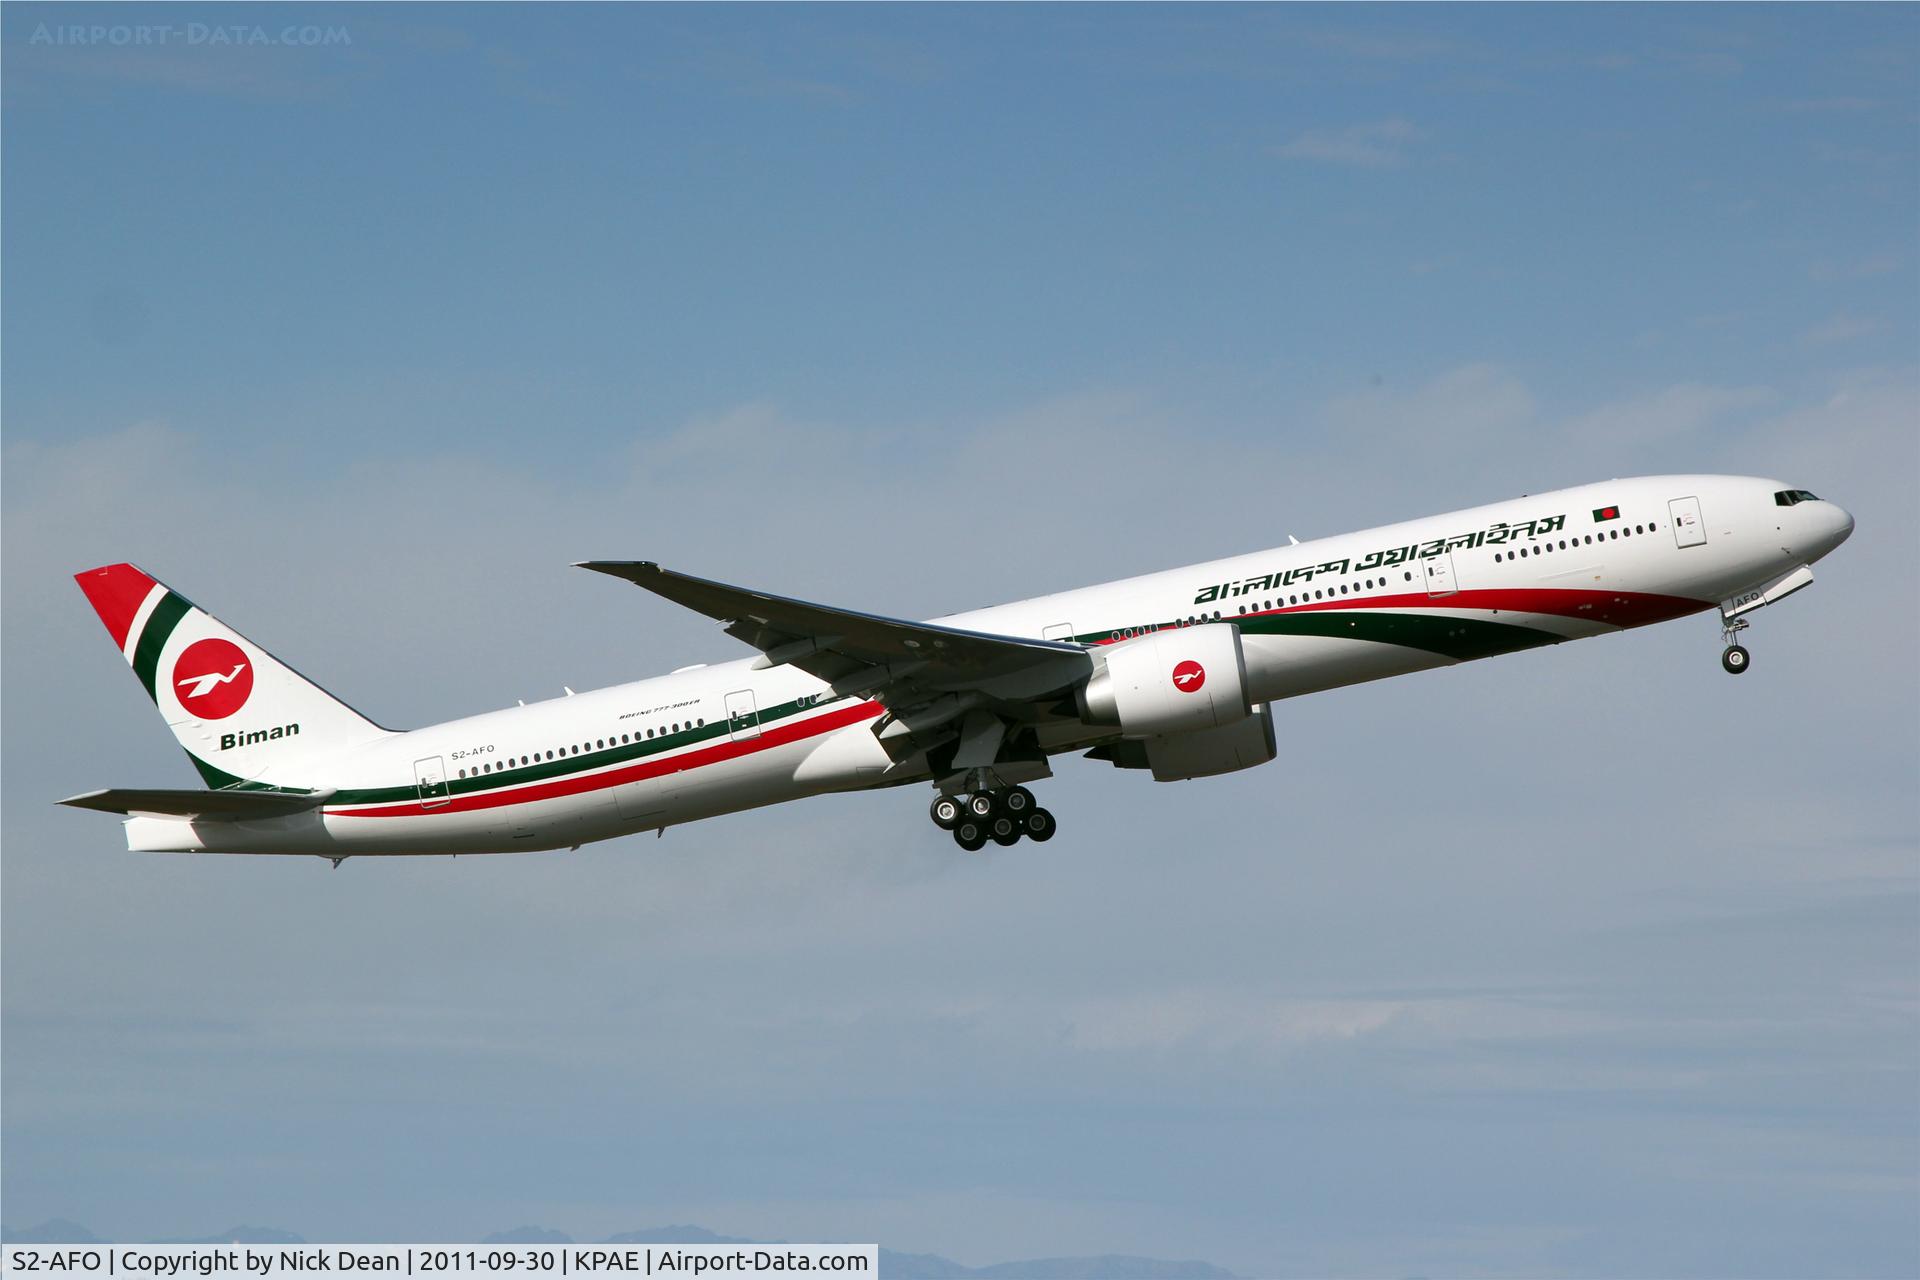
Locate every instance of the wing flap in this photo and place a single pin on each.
(225, 806)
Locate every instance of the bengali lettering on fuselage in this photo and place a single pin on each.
(1497, 534)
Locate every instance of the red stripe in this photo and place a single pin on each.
(115, 592)
(1615, 608)
(1619, 608)
(778, 736)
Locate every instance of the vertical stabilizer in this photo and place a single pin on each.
(242, 714)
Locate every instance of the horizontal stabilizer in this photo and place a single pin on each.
(224, 806)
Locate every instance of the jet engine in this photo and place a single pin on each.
(1177, 757)
(1181, 680)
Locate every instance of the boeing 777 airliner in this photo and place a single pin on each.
(1175, 673)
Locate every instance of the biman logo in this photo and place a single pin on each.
(213, 678)
(1189, 676)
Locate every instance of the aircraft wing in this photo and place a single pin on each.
(897, 661)
(231, 806)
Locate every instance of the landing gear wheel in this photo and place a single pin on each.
(970, 835)
(1735, 659)
(1018, 802)
(1039, 825)
(1005, 831)
(981, 805)
(945, 811)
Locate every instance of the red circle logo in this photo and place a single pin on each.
(213, 678)
(1189, 676)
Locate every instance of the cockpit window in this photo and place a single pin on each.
(1792, 497)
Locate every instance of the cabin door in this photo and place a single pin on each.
(743, 717)
(1689, 530)
(1439, 574)
(430, 777)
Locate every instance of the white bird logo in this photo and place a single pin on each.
(1182, 677)
(205, 684)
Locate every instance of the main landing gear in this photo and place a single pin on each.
(1004, 817)
(1734, 658)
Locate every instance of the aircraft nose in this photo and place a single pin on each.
(1836, 526)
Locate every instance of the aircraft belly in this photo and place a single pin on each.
(1287, 666)
(743, 782)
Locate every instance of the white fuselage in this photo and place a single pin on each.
(1314, 615)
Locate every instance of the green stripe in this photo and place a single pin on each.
(1462, 639)
(1454, 637)
(1458, 638)
(219, 779)
(160, 624)
(546, 770)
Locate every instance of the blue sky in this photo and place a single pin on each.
(1583, 962)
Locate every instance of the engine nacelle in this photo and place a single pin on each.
(1199, 755)
(1181, 680)
(1211, 751)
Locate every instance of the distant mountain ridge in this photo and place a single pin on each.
(893, 1265)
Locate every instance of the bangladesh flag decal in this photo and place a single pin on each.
(1605, 513)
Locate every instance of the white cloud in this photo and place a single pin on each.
(796, 963)
(1840, 327)
(1670, 417)
(1873, 265)
(1848, 103)
(1381, 144)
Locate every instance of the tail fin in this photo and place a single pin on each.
(241, 714)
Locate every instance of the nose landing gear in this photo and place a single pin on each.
(1002, 816)
(1734, 658)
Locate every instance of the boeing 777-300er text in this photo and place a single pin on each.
(1175, 673)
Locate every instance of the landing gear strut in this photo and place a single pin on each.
(1002, 816)
(1734, 658)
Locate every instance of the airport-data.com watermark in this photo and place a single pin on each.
(200, 34)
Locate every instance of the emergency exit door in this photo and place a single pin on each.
(1689, 530)
(1439, 574)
